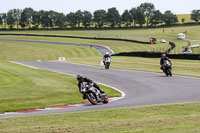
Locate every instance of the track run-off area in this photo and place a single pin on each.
(138, 88)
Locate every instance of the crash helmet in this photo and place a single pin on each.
(107, 53)
(163, 55)
(79, 77)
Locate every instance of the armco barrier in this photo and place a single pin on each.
(158, 55)
(95, 38)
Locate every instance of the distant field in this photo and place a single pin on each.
(187, 18)
(135, 34)
(169, 34)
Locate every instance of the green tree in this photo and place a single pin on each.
(79, 17)
(4, 16)
(133, 13)
(113, 16)
(53, 17)
(17, 16)
(71, 19)
(26, 17)
(23, 20)
(36, 20)
(140, 16)
(126, 18)
(183, 20)
(13, 17)
(10, 18)
(46, 19)
(1, 20)
(156, 18)
(148, 9)
(87, 18)
(60, 20)
(195, 15)
(100, 17)
(169, 18)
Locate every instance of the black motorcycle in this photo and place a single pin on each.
(93, 95)
(167, 68)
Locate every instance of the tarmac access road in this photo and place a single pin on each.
(140, 88)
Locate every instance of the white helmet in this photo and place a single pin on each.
(107, 53)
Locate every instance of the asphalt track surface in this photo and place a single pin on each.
(141, 88)
(101, 49)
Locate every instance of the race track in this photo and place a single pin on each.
(101, 49)
(141, 88)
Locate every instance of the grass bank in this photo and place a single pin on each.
(176, 118)
(40, 51)
(23, 88)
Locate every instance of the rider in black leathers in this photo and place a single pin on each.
(106, 56)
(82, 79)
(162, 59)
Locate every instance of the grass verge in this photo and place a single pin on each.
(175, 118)
(23, 88)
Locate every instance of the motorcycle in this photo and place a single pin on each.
(93, 95)
(167, 68)
(107, 63)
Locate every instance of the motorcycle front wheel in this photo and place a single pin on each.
(92, 98)
(107, 65)
(170, 72)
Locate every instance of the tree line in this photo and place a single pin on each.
(143, 14)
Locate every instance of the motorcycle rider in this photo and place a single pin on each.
(162, 59)
(82, 79)
(106, 56)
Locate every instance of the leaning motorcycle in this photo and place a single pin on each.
(107, 63)
(167, 68)
(93, 95)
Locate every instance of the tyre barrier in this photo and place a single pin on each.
(94, 38)
(158, 55)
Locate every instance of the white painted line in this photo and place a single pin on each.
(51, 108)
(11, 113)
(23, 64)
(115, 98)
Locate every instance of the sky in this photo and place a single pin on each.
(67, 6)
